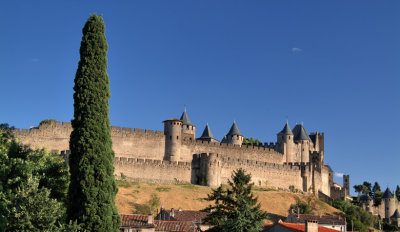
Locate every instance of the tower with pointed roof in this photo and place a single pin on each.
(234, 136)
(389, 201)
(303, 141)
(395, 218)
(207, 135)
(188, 128)
(285, 143)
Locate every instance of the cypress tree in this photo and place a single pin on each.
(92, 189)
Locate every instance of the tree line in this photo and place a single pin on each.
(375, 191)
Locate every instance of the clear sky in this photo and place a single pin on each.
(333, 65)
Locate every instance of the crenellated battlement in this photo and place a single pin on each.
(151, 162)
(47, 129)
(65, 128)
(227, 145)
(225, 161)
(129, 132)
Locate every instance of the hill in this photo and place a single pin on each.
(132, 195)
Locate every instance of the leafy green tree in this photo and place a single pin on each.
(376, 187)
(47, 121)
(367, 188)
(236, 208)
(378, 198)
(251, 141)
(389, 227)
(32, 209)
(27, 180)
(92, 189)
(361, 189)
(362, 220)
(154, 203)
(302, 207)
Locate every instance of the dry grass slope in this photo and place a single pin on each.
(191, 197)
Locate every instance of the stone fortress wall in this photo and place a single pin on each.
(177, 156)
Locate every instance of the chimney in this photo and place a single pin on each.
(150, 219)
(172, 214)
(311, 226)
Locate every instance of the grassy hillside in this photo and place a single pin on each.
(132, 195)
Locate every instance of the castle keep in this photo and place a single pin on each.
(177, 156)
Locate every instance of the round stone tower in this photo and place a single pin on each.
(213, 171)
(389, 201)
(173, 138)
(286, 144)
(234, 136)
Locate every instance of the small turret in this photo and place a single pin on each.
(366, 202)
(207, 135)
(285, 141)
(234, 136)
(301, 137)
(173, 138)
(187, 126)
(395, 218)
(389, 201)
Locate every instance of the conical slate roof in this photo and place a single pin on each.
(388, 194)
(234, 130)
(366, 197)
(286, 130)
(224, 139)
(206, 133)
(396, 214)
(300, 133)
(185, 119)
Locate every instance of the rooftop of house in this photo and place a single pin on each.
(136, 220)
(322, 219)
(142, 221)
(182, 215)
(186, 226)
(294, 227)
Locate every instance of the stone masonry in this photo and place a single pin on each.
(177, 156)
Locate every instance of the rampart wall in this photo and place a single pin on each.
(140, 156)
(263, 173)
(156, 171)
(127, 142)
(249, 152)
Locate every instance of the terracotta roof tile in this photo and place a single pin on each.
(135, 220)
(182, 215)
(186, 226)
(295, 227)
(325, 219)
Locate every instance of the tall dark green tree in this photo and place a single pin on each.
(376, 187)
(236, 208)
(368, 187)
(92, 189)
(398, 192)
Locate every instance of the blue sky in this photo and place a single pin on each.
(333, 65)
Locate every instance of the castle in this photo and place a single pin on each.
(295, 161)
(388, 209)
